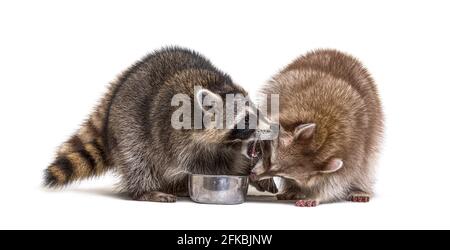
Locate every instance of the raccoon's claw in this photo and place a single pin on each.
(359, 197)
(156, 197)
(306, 203)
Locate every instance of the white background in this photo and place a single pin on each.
(56, 58)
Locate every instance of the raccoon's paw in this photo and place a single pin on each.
(156, 196)
(307, 203)
(359, 197)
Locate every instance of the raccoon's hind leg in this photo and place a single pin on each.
(143, 183)
(153, 187)
(155, 196)
(144, 180)
(359, 196)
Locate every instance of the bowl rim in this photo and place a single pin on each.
(220, 176)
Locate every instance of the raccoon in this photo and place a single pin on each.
(331, 127)
(131, 133)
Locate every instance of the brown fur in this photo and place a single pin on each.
(336, 93)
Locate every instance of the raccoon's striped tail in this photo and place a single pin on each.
(83, 155)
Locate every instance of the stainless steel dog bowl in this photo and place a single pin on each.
(218, 189)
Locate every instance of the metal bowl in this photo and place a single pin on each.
(218, 189)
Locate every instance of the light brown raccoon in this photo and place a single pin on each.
(131, 131)
(331, 125)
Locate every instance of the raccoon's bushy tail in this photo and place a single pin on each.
(84, 154)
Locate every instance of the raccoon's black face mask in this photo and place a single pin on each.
(236, 123)
(244, 126)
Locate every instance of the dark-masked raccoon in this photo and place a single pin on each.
(131, 130)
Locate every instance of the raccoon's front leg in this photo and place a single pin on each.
(155, 196)
(288, 196)
(267, 185)
(290, 191)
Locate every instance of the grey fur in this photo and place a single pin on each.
(152, 156)
(133, 133)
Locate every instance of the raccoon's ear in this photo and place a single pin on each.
(206, 99)
(304, 131)
(332, 166)
(285, 137)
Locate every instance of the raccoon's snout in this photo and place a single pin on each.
(257, 172)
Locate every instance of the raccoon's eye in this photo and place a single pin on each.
(254, 150)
